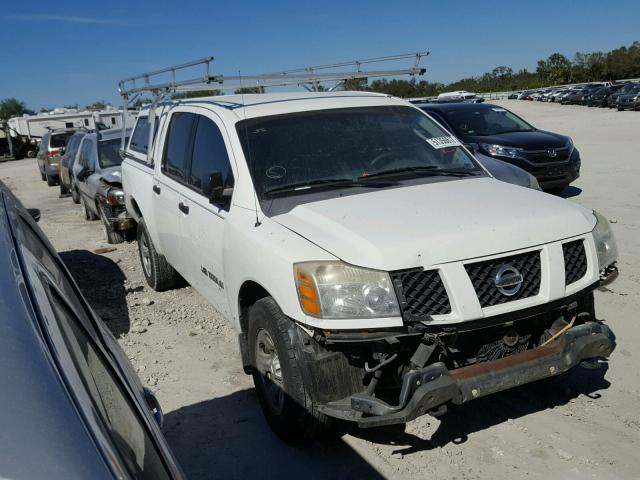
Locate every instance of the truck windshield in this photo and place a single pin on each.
(109, 152)
(340, 148)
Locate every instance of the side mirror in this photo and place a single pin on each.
(215, 189)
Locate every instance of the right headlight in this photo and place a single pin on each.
(501, 150)
(338, 290)
(606, 246)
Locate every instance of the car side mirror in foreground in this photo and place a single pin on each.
(215, 189)
(35, 213)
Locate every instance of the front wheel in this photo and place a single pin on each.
(283, 395)
(112, 236)
(87, 212)
(51, 181)
(75, 196)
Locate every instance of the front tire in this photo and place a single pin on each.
(283, 395)
(87, 212)
(160, 275)
(112, 236)
(75, 196)
(51, 181)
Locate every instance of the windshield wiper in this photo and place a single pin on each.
(426, 170)
(324, 182)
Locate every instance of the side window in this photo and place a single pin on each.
(140, 136)
(176, 149)
(209, 156)
(88, 155)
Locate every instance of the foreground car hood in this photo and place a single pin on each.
(436, 223)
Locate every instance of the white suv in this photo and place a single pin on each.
(373, 270)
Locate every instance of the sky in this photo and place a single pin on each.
(65, 52)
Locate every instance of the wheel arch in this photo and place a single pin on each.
(250, 292)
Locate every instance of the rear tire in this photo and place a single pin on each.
(283, 395)
(64, 190)
(160, 275)
(43, 176)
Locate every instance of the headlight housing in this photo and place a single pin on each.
(115, 197)
(338, 290)
(606, 246)
(501, 150)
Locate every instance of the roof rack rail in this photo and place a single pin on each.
(310, 78)
(307, 77)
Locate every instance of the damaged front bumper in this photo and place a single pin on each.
(429, 389)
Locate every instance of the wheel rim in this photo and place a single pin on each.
(145, 255)
(268, 365)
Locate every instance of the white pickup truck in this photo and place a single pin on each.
(373, 270)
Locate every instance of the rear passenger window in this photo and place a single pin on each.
(140, 136)
(209, 155)
(176, 149)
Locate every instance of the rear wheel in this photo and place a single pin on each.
(64, 190)
(43, 176)
(283, 395)
(160, 275)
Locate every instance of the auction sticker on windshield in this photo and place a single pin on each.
(443, 142)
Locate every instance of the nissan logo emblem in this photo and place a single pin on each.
(508, 280)
(552, 153)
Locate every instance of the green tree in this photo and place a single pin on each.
(10, 107)
(248, 90)
(100, 105)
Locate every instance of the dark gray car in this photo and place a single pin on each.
(71, 406)
(98, 182)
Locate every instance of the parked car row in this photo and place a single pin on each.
(623, 96)
(86, 166)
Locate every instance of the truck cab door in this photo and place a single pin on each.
(204, 226)
(169, 185)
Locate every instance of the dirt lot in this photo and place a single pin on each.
(585, 424)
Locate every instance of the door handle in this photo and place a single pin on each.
(183, 208)
(156, 189)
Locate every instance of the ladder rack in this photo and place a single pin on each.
(307, 77)
(163, 82)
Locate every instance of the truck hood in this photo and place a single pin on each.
(435, 223)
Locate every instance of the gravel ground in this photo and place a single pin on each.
(585, 424)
